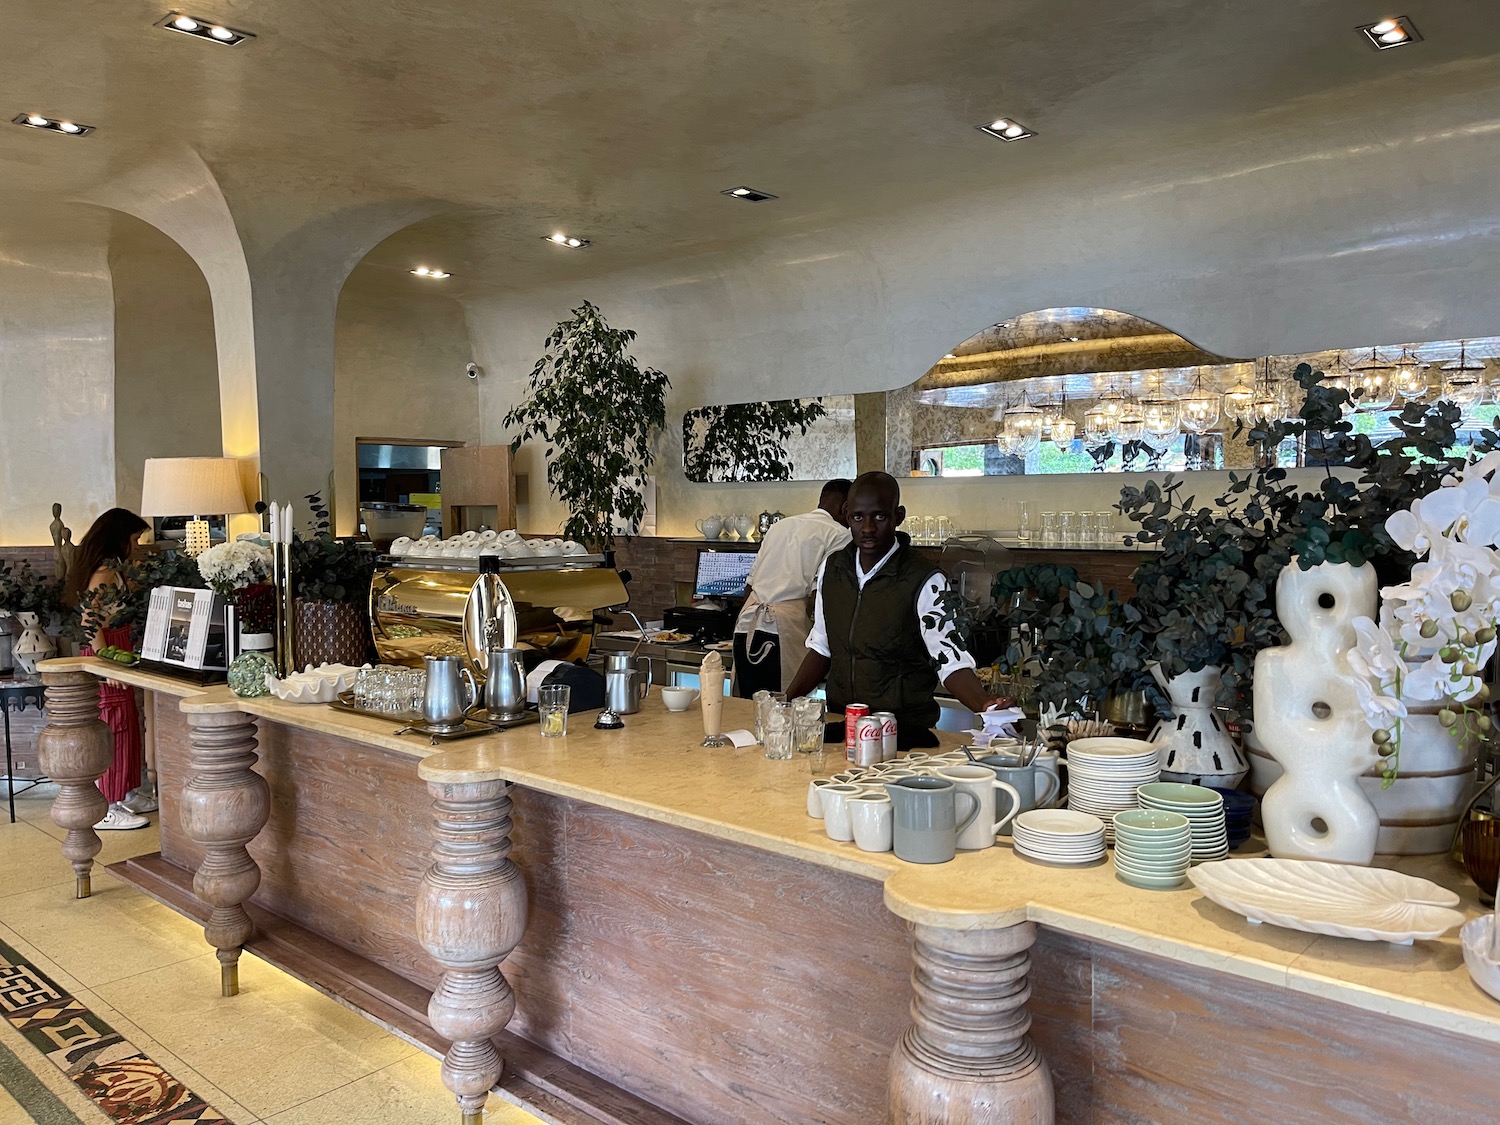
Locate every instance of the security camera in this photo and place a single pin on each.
(472, 370)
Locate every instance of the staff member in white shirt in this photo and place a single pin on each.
(771, 634)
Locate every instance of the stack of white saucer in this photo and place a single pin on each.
(1104, 773)
(1204, 810)
(1058, 836)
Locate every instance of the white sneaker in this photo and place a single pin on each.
(120, 818)
(139, 800)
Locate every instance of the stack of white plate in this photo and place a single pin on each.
(1203, 808)
(1152, 849)
(1104, 773)
(1058, 836)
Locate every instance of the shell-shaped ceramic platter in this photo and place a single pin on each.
(1367, 903)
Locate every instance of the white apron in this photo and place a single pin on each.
(793, 623)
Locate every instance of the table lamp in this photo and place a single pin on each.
(193, 486)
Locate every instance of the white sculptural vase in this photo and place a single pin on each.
(33, 644)
(1308, 718)
(1193, 744)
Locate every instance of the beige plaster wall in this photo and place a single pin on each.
(56, 384)
(166, 362)
(398, 373)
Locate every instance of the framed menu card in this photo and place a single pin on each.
(185, 628)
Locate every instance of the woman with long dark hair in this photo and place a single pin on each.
(109, 542)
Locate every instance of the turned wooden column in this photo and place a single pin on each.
(225, 803)
(967, 1059)
(75, 749)
(471, 912)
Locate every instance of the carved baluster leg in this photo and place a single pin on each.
(471, 912)
(225, 803)
(75, 749)
(967, 1059)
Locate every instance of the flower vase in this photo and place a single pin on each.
(33, 644)
(1193, 745)
(1308, 718)
(1420, 811)
(255, 608)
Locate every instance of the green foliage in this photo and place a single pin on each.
(326, 569)
(23, 590)
(127, 604)
(598, 411)
(744, 441)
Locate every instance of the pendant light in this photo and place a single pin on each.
(1024, 421)
(1098, 426)
(1463, 379)
(1237, 400)
(1063, 429)
(1376, 381)
(1409, 377)
(1161, 418)
(1269, 402)
(1200, 408)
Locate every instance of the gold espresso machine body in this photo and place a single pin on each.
(432, 607)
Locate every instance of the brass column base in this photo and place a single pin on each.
(85, 886)
(229, 980)
(474, 1117)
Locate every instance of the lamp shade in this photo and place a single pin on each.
(192, 486)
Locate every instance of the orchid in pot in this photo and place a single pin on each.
(1437, 630)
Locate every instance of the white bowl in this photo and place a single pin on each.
(1475, 938)
(313, 685)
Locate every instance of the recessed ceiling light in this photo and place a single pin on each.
(428, 271)
(1004, 129)
(203, 29)
(949, 355)
(748, 194)
(51, 124)
(1397, 31)
(567, 240)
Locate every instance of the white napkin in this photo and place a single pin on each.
(1002, 721)
(740, 738)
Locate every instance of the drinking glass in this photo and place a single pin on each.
(807, 716)
(1067, 528)
(944, 529)
(780, 731)
(764, 700)
(1104, 528)
(552, 706)
(1026, 516)
(363, 679)
(1049, 529)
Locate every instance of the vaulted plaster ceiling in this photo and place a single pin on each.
(622, 122)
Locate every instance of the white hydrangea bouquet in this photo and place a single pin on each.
(1437, 630)
(233, 566)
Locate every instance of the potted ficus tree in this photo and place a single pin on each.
(598, 411)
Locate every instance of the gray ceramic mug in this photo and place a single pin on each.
(1038, 787)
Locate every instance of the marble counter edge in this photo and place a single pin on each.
(133, 675)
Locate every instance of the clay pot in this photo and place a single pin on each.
(331, 633)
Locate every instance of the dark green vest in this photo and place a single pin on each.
(878, 655)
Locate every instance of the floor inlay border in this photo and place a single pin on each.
(121, 1080)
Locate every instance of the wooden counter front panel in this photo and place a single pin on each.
(721, 983)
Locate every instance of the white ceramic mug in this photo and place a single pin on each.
(982, 783)
(836, 810)
(678, 698)
(870, 818)
(815, 789)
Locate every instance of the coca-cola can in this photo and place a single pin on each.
(852, 714)
(867, 741)
(887, 734)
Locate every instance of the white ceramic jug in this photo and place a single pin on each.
(710, 527)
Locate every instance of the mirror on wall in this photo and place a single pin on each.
(1084, 390)
(786, 439)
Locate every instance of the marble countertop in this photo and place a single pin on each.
(654, 768)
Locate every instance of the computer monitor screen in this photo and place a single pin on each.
(722, 574)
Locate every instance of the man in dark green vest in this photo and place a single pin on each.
(878, 634)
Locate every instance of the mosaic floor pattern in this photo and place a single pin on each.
(124, 1083)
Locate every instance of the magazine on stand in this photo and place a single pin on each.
(185, 627)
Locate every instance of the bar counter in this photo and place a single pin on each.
(685, 943)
